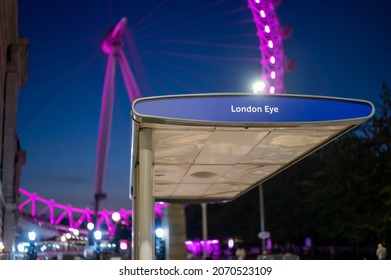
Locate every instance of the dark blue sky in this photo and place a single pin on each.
(342, 48)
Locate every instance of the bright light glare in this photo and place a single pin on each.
(262, 13)
(20, 248)
(32, 235)
(270, 44)
(231, 243)
(259, 86)
(98, 235)
(272, 89)
(90, 226)
(116, 216)
(159, 233)
(272, 60)
(267, 29)
(273, 75)
(123, 245)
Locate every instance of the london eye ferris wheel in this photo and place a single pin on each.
(270, 35)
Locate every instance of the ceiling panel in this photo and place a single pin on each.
(282, 147)
(190, 190)
(217, 189)
(205, 173)
(163, 190)
(173, 146)
(248, 174)
(228, 147)
(169, 173)
(224, 196)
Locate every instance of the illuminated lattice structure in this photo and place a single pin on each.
(270, 37)
(61, 215)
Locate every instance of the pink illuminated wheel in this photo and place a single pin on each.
(271, 46)
(270, 36)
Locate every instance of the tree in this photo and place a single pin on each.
(380, 132)
(342, 192)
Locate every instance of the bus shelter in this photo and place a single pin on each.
(215, 147)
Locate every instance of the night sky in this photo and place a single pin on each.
(342, 48)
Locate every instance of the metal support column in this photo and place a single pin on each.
(262, 216)
(204, 227)
(144, 210)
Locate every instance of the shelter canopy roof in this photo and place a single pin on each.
(215, 147)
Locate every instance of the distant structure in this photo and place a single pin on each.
(13, 74)
(113, 47)
(271, 35)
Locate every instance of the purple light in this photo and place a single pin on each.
(123, 245)
(273, 75)
(231, 243)
(198, 247)
(269, 245)
(270, 39)
(113, 41)
(308, 242)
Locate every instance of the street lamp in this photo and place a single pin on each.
(159, 243)
(159, 232)
(98, 237)
(90, 226)
(32, 235)
(116, 217)
(32, 251)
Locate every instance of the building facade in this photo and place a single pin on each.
(13, 74)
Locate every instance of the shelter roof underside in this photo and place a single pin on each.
(209, 163)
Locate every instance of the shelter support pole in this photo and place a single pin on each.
(204, 227)
(144, 248)
(262, 215)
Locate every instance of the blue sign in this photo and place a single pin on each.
(252, 108)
